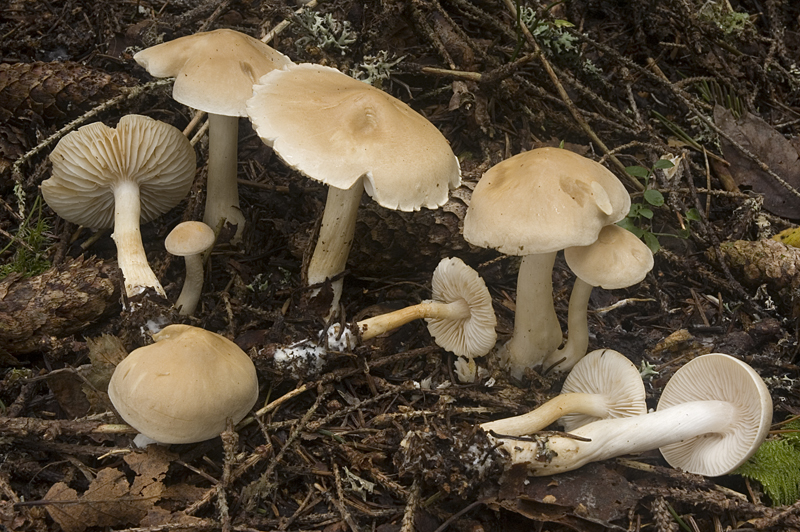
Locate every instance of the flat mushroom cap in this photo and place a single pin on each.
(469, 337)
(608, 373)
(543, 200)
(735, 382)
(617, 259)
(89, 161)
(336, 129)
(184, 387)
(214, 71)
(189, 238)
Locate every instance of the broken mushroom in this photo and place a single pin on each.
(190, 240)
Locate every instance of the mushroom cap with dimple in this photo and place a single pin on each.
(610, 374)
(734, 382)
(617, 259)
(336, 129)
(214, 71)
(185, 387)
(543, 200)
(88, 162)
(469, 337)
(189, 238)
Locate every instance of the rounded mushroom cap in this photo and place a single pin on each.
(735, 382)
(617, 259)
(468, 337)
(184, 387)
(336, 129)
(189, 238)
(89, 161)
(542, 201)
(214, 71)
(609, 374)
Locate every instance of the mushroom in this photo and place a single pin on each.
(618, 259)
(190, 240)
(535, 204)
(104, 177)
(185, 387)
(352, 137)
(604, 384)
(712, 416)
(214, 72)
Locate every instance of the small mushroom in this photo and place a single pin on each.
(185, 387)
(533, 205)
(190, 240)
(617, 259)
(104, 177)
(713, 415)
(214, 72)
(352, 137)
(603, 385)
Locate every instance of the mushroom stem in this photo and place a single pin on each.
(537, 332)
(222, 193)
(569, 403)
(609, 438)
(372, 327)
(192, 285)
(578, 332)
(127, 236)
(335, 238)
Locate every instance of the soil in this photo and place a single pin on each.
(385, 437)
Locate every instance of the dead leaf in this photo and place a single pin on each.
(771, 147)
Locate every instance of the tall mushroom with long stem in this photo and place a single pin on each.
(214, 72)
(533, 205)
(354, 138)
(105, 177)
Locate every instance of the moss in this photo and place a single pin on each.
(776, 466)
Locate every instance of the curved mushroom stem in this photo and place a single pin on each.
(578, 332)
(192, 285)
(537, 332)
(127, 236)
(609, 438)
(335, 238)
(222, 191)
(372, 327)
(569, 403)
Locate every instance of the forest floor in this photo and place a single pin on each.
(384, 438)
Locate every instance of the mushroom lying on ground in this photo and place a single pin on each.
(214, 72)
(104, 177)
(535, 204)
(713, 415)
(603, 385)
(190, 240)
(617, 259)
(352, 137)
(185, 387)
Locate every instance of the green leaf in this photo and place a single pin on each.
(560, 23)
(645, 213)
(776, 466)
(654, 197)
(628, 224)
(637, 171)
(652, 241)
(693, 215)
(663, 164)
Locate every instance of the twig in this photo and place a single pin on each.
(285, 24)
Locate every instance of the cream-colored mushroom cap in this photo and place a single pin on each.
(88, 162)
(336, 129)
(184, 387)
(189, 238)
(542, 201)
(734, 382)
(611, 375)
(475, 335)
(617, 259)
(214, 71)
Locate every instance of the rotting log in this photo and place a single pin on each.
(59, 302)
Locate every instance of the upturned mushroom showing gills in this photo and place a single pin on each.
(104, 177)
(533, 205)
(185, 387)
(214, 72)
(603, 385)
(713, 415)
(352, 137)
